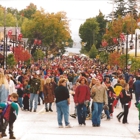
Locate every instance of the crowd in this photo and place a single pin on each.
(96, 88)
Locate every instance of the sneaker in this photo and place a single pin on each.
(34, 110)
(108, 119)
(84, 124)
(60, 126)
(73, 116)
(111, 116)
(68, 126)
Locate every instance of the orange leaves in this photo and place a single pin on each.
(114, 58)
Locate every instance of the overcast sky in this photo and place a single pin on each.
(77, 10)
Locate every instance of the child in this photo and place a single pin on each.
(10, 115)
(2, 106)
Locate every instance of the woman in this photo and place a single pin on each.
(62, 103)
(4, 88)
(81, 99)
(125, 98)
(99, 95)
(48, 91)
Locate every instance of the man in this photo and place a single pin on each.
(137, 89)
(35, 85)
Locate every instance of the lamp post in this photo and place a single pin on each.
(126, 50)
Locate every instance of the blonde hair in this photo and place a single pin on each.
(91, 83)
(47, 81)
(3, 80)
(62, 80)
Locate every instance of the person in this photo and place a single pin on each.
(62, 103)
(20, 92)
(99, 95)
(81, 99)
(138, 106)
(4, 88)
(10, 115)
(125, 99)
(48, 91)
(41, 90)
(1, 119)
(26, 95)
(34, 91)
(137, 89)
(72, 92)
(12, 88)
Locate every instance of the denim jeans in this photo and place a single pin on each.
(35, 98)
(107, 114)
(96, 114)
(62, 110)
(81, 113)
(41, 95)
(20, 101)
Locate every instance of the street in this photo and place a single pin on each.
(43, 125)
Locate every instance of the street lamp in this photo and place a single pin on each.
(126, 50)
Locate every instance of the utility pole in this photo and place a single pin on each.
(4, 43)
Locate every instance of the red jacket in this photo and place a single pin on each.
(82, 94)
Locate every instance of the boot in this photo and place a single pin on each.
(12, 136)
(47, 110)
(50, 110)
(3, 134)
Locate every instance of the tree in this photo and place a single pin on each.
(122, 61)
(103, 56)
(93, 52)
(135, 64)
(126, 25)
(88, 32)
(21, 54)
(29, 11)
(113, 59)
(52, 29)
(6, 17)
(102, 28)
(38, 54)
(11, 60)
(123, 7)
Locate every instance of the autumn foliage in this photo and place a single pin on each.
(114, 58)
(21, 54)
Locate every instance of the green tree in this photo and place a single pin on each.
(6, 18)
(102, 25)
(123, 7)
(103, 56)
(119, 9)
(38, 54)
(93, 52)
(88, 32)
(29, 11)
(52, 29)
(135, 64)
(122, 61)
(11, 60)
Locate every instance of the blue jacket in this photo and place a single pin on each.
(137, 87)
(4, 92)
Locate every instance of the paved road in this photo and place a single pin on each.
(42, 125)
